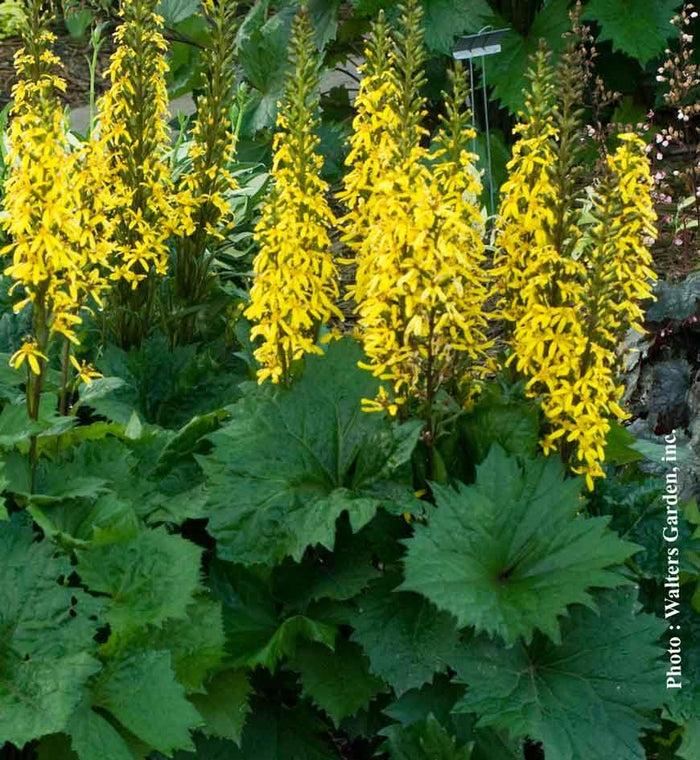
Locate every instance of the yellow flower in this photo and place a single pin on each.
(569, 297)
(373, 141)
(416, 231)
(135, 140)
(204, 189)
(380, 404)
(53, 203)
(30, 352)
(333, 334)
(296, 283)
(86, 372)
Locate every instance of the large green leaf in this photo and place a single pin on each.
(77, 523)
(224, 705)
(510, 553)
(639, 514)
(141, 692)
(16, 427)
(424, 740)
(690, 746)
(196, 642)
(445, 19)
(285, 638)
(339, 681)
(46, 637)
(94, 738)
(505, 71)
(85, 471)
(75, 497)
(254, 632)
(175, 11)
(504, 417)
(163, 386)
(405, 637)
(273, 732)
(263, 57)
(340, 574)
(290, 462)
(324, 20)
(438, 699)
(619, 445)
(148, 579)
(589, 697)
(639, 28)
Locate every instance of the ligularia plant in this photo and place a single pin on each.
(296, 282)
(133, 116)
(416, 230)
(211, 153)
(568, 294)
(53, 212)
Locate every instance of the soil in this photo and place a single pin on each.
(76, 72)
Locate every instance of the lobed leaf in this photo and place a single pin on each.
(224, 705)
(339, 681)
(141, 692)
(406, 638)
(290, 462)
(46, 637)
(590, 696)
(510, 553)
(639, 29)
(148, 579)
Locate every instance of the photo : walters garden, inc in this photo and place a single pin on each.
(307, 455)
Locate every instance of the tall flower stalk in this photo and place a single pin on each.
(571, 289)
(416, 229)
(209, 180)
(133, 117)
(372, 143)
(525, 253)
(295, 289)
(53, 214)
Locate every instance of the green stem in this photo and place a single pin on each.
(429, 397)
(65, 375)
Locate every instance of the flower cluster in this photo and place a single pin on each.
(372, 143)
(296, 282)
(415, 228)
(525, 258)
(212, 150)
(134, 136)
(570, 294)
(678, 189)
(54, 206)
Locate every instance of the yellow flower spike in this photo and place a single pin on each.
(135, 140)
(567, 315)
(415, 228)
(202, 191)
(295, 287)
(52, 205)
